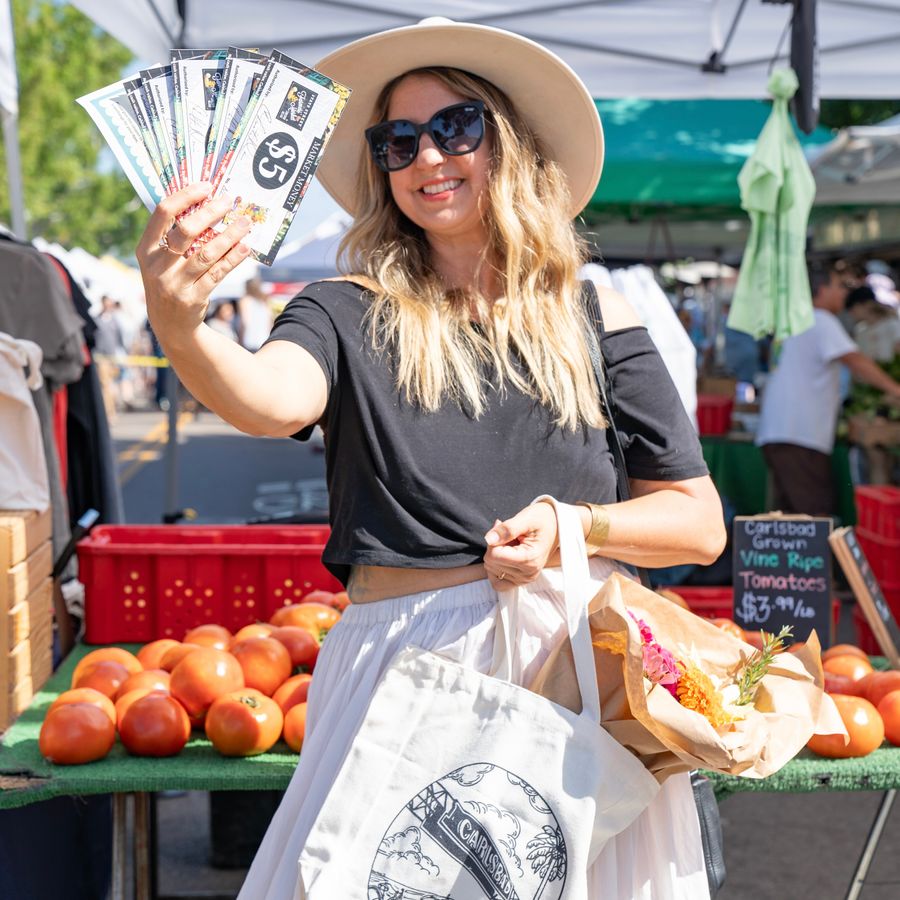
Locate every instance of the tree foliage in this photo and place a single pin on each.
(843, 113)
(61, 55)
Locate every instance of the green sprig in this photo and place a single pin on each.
(759, 663)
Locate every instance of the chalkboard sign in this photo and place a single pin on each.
(868, 593)
(782, 575)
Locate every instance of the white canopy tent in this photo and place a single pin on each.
(860, 166)
(621, 48)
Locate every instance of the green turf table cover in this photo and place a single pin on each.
(25, 777)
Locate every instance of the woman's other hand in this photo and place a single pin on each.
(177, 287)
(519, 548)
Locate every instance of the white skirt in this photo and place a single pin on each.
(659, 857)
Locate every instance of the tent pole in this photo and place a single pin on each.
(14, 174)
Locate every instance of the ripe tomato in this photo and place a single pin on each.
(175, 655)
(217, 636)
(243, 723)
(848, 664)
(155, 679)
(150, 655)
(889, 710)
(729, 626)
(116, 654)
(300, 643)
(106, 676)
(86, 695)
(880, 684)
(202, 676)
(863, 724)
(265, 662)
(154, 725)
(76, 733)
(295, 727)
(257, 629)
(844, 650)
(293, 691)
(839, 684)
(340, 601)
(315, 617)
(124, 702)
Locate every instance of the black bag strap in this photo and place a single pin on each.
(595, 350)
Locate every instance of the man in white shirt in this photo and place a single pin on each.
(801, 401)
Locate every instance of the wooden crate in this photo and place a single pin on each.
(30, 658)
(21, 533)
(26, 576)
(26, 616)
(14, 702)
(874, 431)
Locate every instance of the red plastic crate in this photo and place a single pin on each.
(883, 555)
(878, 509)
(714, 413)
(144, 582)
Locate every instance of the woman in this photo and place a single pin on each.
(452, 378)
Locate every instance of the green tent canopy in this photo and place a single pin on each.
(679, 153)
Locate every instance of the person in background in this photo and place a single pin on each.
(221, 318)
(801, 401)
(877, 328)
(109, 348)
(255, 316)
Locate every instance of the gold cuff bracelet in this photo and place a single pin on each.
(599, 533)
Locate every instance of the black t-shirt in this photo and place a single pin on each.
(414, 489)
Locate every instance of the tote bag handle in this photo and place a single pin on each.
(577, 590)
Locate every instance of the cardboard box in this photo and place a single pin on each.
(26, 616)
(715, 384)
(31, 658)
(25, 577)
(21, 533)
(14, 702)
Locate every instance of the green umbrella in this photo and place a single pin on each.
(777, 190)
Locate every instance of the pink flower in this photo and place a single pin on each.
(660, 666)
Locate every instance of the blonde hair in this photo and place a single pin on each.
(428, 332)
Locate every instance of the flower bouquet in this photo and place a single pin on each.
(683, 694)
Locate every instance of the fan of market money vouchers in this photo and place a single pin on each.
(254, 126)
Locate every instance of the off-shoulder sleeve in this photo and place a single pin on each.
(658, 439)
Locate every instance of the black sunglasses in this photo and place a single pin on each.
(456, 130)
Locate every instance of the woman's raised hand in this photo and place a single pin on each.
(519, 548)
(176, 286)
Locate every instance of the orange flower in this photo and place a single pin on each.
(696, 691)
(612, 642)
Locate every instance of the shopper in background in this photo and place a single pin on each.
(877, 326)
(801, 401)
(254, 316)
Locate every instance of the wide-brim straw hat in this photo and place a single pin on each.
(545, 90)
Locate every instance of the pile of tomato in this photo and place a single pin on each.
(245, 690)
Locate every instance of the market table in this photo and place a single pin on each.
(25, 777)
(739, 472)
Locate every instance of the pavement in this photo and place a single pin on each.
(777, 846)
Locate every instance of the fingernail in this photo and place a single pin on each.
(244, 222)
(206, 186)
(492, 537)
(243, 249)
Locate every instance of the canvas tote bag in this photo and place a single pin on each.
(462, 785)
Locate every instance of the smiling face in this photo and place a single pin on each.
(440, 193)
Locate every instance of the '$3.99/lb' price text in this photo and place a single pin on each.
(757, 608)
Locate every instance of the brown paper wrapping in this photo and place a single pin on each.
(790, 705)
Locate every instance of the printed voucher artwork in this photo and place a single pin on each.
(220, 116)
(478, 833)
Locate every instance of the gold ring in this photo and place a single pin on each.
(501, 576)
(164, 244)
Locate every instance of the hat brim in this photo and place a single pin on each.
(545, 90)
